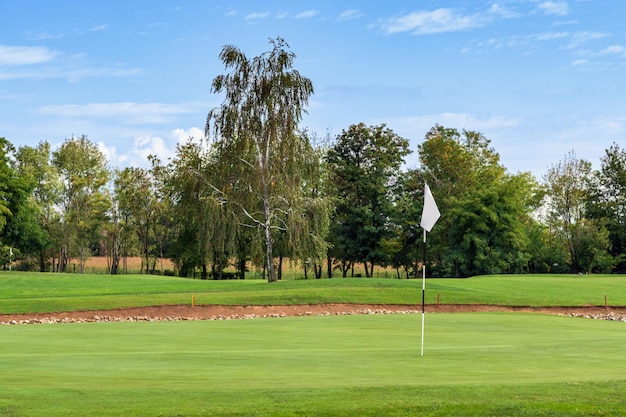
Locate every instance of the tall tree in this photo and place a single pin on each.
(20, 232)
(34, 163)
(142, 210)
(207, 229)
(364, 168)
(486, 211)
(256, 126)
(608, 201)
(84, 174)
(568, 185)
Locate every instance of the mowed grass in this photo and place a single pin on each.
(34, 292)
(475, 364)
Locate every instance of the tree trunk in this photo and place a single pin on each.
(318, 270)
(269, 257)
(329, 266)
(42, 261)
(81, 260)
(242, 268)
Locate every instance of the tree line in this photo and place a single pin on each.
(259, 190)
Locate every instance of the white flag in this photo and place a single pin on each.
(430, 213)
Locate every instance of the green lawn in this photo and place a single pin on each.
(27, 292)
(474, 364)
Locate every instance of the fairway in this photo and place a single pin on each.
(34, 292)
(91, 364)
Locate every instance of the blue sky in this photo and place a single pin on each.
(538, 78)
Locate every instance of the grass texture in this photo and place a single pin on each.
(474, 364)
(34, 292)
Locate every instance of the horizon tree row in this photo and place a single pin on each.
(356, 206)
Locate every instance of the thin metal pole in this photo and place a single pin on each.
(423, 291)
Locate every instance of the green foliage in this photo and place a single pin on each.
(141, 214)
(20, 231)
(364, 168)
(607, 203)
(34, 163)
(85, 202)
(485, 224)
(261, 157)
(208, 230)
(569, 190)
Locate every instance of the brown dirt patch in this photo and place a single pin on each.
(215, 312)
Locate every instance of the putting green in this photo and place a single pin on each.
(316, 352)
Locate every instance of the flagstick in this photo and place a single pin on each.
(430, 215)
(423, 290)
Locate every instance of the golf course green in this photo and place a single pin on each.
(475, 364)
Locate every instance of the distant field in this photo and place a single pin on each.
(35, 292)
(99, 265)
(135, 264)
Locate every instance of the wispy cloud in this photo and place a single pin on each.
(619, 50)
(99, 28)
(435, 21)
(127, 112)
(559, 8)
(350, 14)
(307, 14)
(42, 36)
(567, 40)
(503, 12)
(72, 73)
(578, 39)
(25, 55)
(257, 15)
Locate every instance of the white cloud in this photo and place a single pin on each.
(110, 153)
(128, 112)
(559, 8)
(99, 28)
(164, 148)
(152, 145)
(184, 135)
(549, 36)
(505, 13)
(350, 14)
(580, 38)
(42, 63)
(436, 21)
(565, 22)
(25, 55)
(618, 50)
(408, 126)
(307, 14)
(257, 16)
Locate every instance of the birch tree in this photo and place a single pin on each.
(255, 132)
